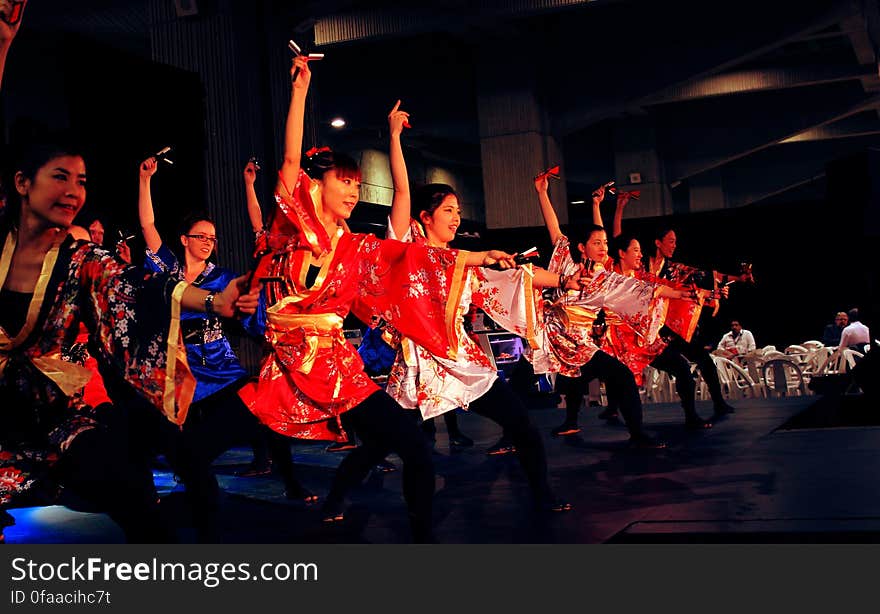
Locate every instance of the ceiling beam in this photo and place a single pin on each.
(761, 80)
(780, 169)
(695, 143)
(737, 38)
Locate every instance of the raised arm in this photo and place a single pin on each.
(622, 199)
(255, 214)
(400, 203)
(145, 205)
(293, 130)
(598, 196)
(9, 24)
(550, 219)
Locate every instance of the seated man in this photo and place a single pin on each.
(737, 342)
(831, 335)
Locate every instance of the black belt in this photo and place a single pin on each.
(194, 331)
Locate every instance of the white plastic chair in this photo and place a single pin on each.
(813, 344)
(659, 387)
(734, 379)
(783, 378)
(840, 361)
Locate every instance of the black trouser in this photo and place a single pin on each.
(383, 426)
(501, 405)
(620, 386)
(451, 420)
(696, 353)
(214, 425)
(98, 468)
(671, 361)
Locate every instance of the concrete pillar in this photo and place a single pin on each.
(706, 192)
(515, 142)
(638, 166)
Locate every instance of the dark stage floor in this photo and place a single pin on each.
(742, 481)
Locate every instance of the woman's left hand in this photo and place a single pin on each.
(233, 297)
(502, 259)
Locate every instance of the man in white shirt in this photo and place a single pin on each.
(738, 342)
(856, 334)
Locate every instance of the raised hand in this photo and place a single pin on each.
(300, 74)
(397, 120)
(542, 183)
(123, 251)
(149, 167)
(250, 173)
(10, 21)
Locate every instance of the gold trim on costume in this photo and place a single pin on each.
(531, 338)
(453, 303)
(68, 376)
(174, 406)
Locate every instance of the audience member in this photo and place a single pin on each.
(831, 335)
(738, 341)
(856, 335)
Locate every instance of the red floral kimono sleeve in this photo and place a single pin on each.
(414, 287)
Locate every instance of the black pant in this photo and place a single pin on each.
(214, 425)
(501, 405)
(97, 469)
(673, 362)
(383, 426)
(620, 386)
(451, 420)
(696, 353)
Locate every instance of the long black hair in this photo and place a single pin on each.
(28, 159)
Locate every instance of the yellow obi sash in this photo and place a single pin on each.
(314, 330)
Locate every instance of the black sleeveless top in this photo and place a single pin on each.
(13, 310)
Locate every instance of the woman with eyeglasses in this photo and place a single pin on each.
(218, 419)
(49, 283)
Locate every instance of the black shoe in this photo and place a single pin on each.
(722, 409)
(646, 442)
(298, 492)
(609, 413)
(383, 466)
(502, 446)
(554, 505)
(254, 471)
(341, 446)
(566, 428)
(460, 440)
(695, 423)
(333, 512)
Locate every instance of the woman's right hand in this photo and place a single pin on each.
(8, 32)
(149, 167)
(397, 120)
(304, 76)
(542, 183)
(250, 173)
